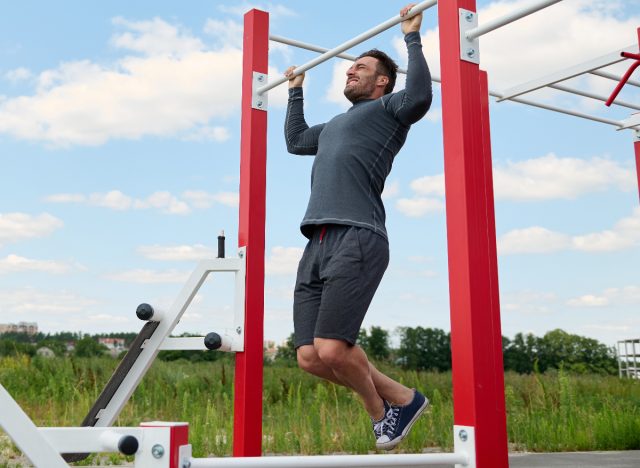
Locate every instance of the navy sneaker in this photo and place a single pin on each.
(381, 429)
(398, 420)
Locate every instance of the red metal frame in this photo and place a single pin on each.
(476, 340)
(178, 436)
(636, 147)
(247, 421)
(627, 75)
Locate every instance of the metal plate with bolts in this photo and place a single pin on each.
(469, 49)
(261, 101)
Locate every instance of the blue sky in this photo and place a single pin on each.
(119, 142)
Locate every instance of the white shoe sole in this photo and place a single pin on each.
(392, 443)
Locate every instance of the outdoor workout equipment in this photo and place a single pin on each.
(480, 439)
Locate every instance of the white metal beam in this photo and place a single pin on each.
(350, 43)
(614, 77)
(25, 434)
(597, 97)
(508, 18)
(631, 122)
(567, 73)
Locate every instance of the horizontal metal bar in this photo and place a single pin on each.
(631, 122)
(315, 48)
(351, 43)
(508, 18)
(87, 439)
(560, 110)
(595, 96)
(567, 73)
(614, 77)
(321, 461)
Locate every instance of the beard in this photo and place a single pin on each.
(362, 89)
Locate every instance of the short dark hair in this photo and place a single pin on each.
(386, 66)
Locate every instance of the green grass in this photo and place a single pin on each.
(303, 415)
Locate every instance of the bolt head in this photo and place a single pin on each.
(471, 52)
(241, 254)
(469, 16)
(259, 103)
(239, 330)
(157, 451)
(261, 78)
(463, 435)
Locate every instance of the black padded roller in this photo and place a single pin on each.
(144, 311)
(213, 341)
(128, 445)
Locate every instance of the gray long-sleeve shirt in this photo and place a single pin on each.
(355, 150)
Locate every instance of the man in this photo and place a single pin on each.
(348, 251)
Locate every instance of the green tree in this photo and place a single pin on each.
(521, 353)
(286, 354)
(89, 347)
(424, 349)
(375, 343)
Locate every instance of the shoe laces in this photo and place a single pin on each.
(388, 422)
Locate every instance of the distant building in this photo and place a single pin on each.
(29, 328)
(270, 350)
(114, 345)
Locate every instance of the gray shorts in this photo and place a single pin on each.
(338, 275)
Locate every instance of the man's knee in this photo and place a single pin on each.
(331, 352)
(308, 359)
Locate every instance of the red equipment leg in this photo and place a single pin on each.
(476, 340)
(247, 421)
(636, 147)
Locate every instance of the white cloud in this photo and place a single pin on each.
(15, 227)
(550, 177)
(204, 134)
(29, 301)
(201, 199)
(535, 239)
(546, 178)
(429, 185)
(149, 276)
(419, 206)
(178, 252)
(155, 37)
(164, 90)
(626, 295)
(624, 234)
(164, 202)
(228, 33)
(588, 300)
(18, 74)
(115, 200)
(391, 190)
(14, 264)
(283, 260)
(335, 92)
(275, 10)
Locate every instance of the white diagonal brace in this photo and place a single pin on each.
(26, 435)
(631, 122)
(567, 73)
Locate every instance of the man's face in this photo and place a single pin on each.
(362, 78)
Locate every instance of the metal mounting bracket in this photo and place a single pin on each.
(469, 49)
(259, 101)
(464, 441)
(636, 135)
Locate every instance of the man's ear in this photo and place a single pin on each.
(382, 80)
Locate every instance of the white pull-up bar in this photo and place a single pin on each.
(350, 43)
(509, 18)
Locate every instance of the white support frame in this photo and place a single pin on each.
(170, 319)
(567, 73)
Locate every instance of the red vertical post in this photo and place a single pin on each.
(247, 420)
(476, 341)
(636, 147)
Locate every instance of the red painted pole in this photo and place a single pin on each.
(636, 147)
(247, 420)
(476, 341)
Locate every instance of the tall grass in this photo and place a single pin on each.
(551, 412)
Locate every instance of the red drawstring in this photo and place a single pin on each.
(323, 231)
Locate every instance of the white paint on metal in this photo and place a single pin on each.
(469, 47)
(631, 122)
(567, 73)
(259, 101)
(324, 461)
(614, 77)
(509, 18)
(350, 43)
(88, 439)
(25, 434)
(237, 265)
(464, 442)
(597, 97)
